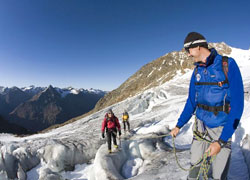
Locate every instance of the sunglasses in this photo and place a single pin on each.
(187, 48)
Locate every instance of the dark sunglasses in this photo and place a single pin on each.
(187, 50)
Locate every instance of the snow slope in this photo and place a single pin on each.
(58, 154)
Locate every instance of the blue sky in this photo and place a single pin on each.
(100, 44)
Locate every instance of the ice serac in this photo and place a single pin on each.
(55, 153)
(15, 161)
(61, 157)
(138, 151)
(48, 174)
(107, 166)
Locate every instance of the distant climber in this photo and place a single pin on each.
(112, 125)
(125, 120)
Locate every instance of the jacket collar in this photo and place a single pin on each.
(209, 60)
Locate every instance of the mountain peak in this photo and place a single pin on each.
(156, 73)
(50, 87)
(221, 47)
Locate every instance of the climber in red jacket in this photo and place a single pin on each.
(112, 125)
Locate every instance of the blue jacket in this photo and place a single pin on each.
(214, 95)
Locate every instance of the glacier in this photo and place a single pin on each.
(77, 151)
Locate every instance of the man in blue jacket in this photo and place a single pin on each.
(216, 94)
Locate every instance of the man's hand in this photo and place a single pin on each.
(175, 131)
(103, 135)
(214, 149)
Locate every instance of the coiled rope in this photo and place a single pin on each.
(205, 161)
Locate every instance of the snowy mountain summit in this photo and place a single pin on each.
(33, 109)
(77, 151)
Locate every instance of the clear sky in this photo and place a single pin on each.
(101, 43)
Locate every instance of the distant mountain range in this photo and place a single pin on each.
(151, 75)
(32, 109)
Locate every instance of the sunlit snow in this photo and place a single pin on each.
(77, 151)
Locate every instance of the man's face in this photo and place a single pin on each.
(195, 53)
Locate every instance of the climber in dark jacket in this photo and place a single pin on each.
(112, 125)
(216, 94)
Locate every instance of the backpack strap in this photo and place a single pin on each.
(225, 67)
(196, 70)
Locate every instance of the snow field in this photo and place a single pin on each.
(58, 153)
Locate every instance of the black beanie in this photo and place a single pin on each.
(195, 39)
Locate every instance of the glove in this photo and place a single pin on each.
(103, 135)
(120, 133)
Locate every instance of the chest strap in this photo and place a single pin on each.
(215, 109)
(212, 83)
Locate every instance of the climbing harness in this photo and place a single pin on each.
(215, 109)
(201, 136)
